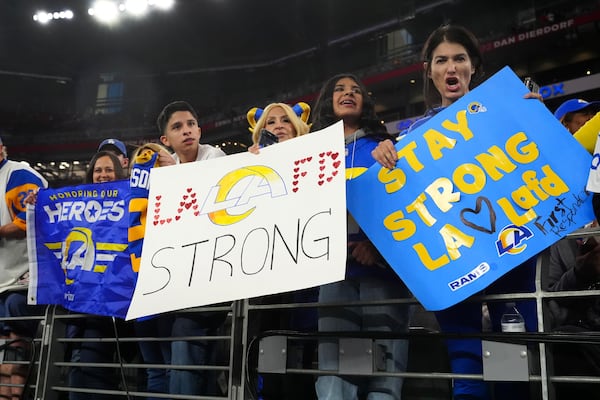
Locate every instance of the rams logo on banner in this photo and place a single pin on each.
(79, 252)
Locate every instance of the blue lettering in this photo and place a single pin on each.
(595, 161)
(545, 91)
(558, 89)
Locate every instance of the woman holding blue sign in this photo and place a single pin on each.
(368, 277)
(105, 166)
(452, 66)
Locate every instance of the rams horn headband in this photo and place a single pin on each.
(301, 109)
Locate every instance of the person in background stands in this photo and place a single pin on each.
(179, 130)
(452, 66)
(118, 148)
(105, 166)
(574, 113)
(286, 123)
(368, 276)
(17, 181)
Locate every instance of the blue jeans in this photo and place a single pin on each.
(15, 305)
(465, 354)
(382, 318)
(93, 352)
(157, 379)
(185, 352)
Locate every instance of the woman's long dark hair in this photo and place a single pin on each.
(451, 34)
(323, 115)
(119, 171)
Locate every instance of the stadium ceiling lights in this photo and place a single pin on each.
(44, 17)
(110, 11)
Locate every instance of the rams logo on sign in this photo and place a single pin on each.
(476, 107)
(511, 239)
(78, 251)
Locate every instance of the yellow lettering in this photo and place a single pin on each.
(407, 152)
(532, 183)
(393, 179)
(454, 239)
(477, 182)
(426, 259)
(524, 198)
(525, 154)
(137, 232)
(442, 194)
(436, 141)
(512, 215)
(461, 126)
(401, 228)
(494, 160)
(552, 183)
(422, 211)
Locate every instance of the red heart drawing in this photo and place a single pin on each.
(320, 183)
(322, 161)
(185, 196)
(321, 176)
(336, 164)
(177, 217)
(296, 176)
(322, 167)
(158, 197)
(329, 179)
(197, 213)
(195, 206)
(303, 173)
(296, 169)
(295, 183)
(179, 210)
(335, 155)
(157, 204)
(162, 221)
(309, 158)
(189, 190)
(188, 205)
(295, 189)
(322, 154)
(156, 216)
(303, 160)
(169, 220)
(157, 211)
(334, 173)
(329, 153)
(194, 201)
(193, 195)
(155, 223)
(296, 162)
(181, 203)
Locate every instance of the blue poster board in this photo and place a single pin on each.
(478, 189)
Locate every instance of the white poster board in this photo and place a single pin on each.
(245, 225)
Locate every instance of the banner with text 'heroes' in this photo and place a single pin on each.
(77, 244)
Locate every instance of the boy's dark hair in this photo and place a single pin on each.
(323, 115)
(452, 34)
(170, 109)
